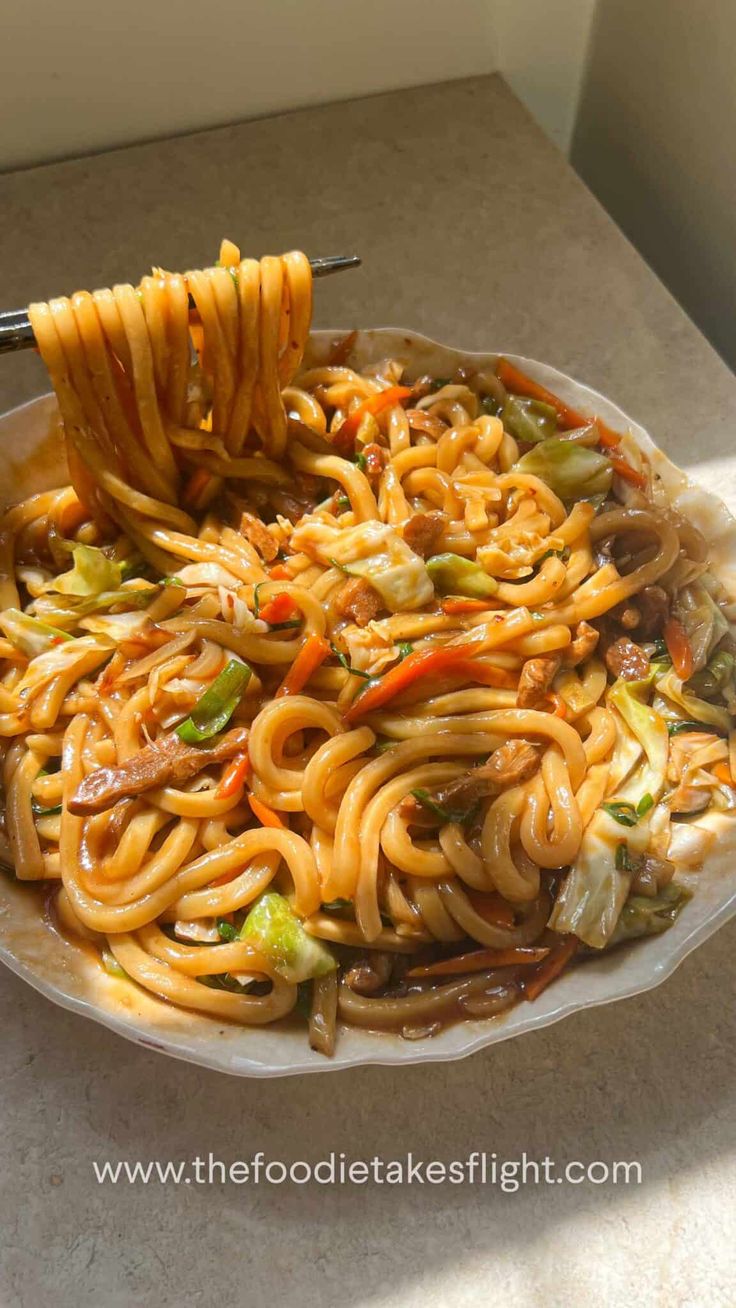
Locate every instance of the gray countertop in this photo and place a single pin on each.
(474, 230)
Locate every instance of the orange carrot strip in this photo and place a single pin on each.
(557, 704)
(480, 959)
(625, 470)
(443, 658)
(550, 968)
(313, 652)
(265, 815)
(375, 404)
(679, 648)
(197, 485)
(278, 609)
(234, 777)
(516, 381)
(279, 572)
(723, 772)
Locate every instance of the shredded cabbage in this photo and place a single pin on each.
(28, 634)
(571, 471)
(650, 730)
(697, 709)
(596, 887)
(92, 573)
(276, 932)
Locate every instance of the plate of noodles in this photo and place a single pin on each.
(362, 700)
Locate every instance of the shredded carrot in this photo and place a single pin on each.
(679, 648)
(492, 907)
(234, 776)
(313, 652)
(279, 572)
(265, 815)
(550, 968)
(481, 959)
(442, 658)
(557, 704)
(197, 486)
(625, 470)
(345, 435)
(456, 604)
(279, 609)
(519, 384)
(723, 772)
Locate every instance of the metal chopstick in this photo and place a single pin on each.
(16, 332)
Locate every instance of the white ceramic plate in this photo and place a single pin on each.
(71, 976)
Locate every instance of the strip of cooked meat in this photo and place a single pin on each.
(423, 532)
(301, 497)
(376, 458)
(359, 601)
(509, 765)
(626, 660)
(581, 646)
(170, 761)
(535, 680)
(645, 613)
(259, 536)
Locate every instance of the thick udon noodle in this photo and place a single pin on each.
(166, 446)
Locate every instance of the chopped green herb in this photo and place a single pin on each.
(621, 812)
(342, 660)
(257, 600)
(343, 503)
(216, 707)
(361, 462)
(226, 930)
(624, 861)
(440, 811)
(284, 626)
(645, 803)
(405, 649)
(674, 728)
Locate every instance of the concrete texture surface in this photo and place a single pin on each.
(473, 230)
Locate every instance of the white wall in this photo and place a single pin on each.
(655, 141)
(84, 75)
(542, 49)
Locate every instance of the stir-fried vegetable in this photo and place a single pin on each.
(642, 915)
(28, 634)
(529, 420)
(628, 814)
(702, 621)
(234, 777)
(266, 816)
(420, 663)
(715, 678)
(572, 471)
(597, 885)
(376, 551)
(92, 573)
(679, 648)
(453, 575)
(650, 729)
(516, 381)
(275, 931)
(345, 436)
(699, 710)
(313, 652)
(216, 707)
